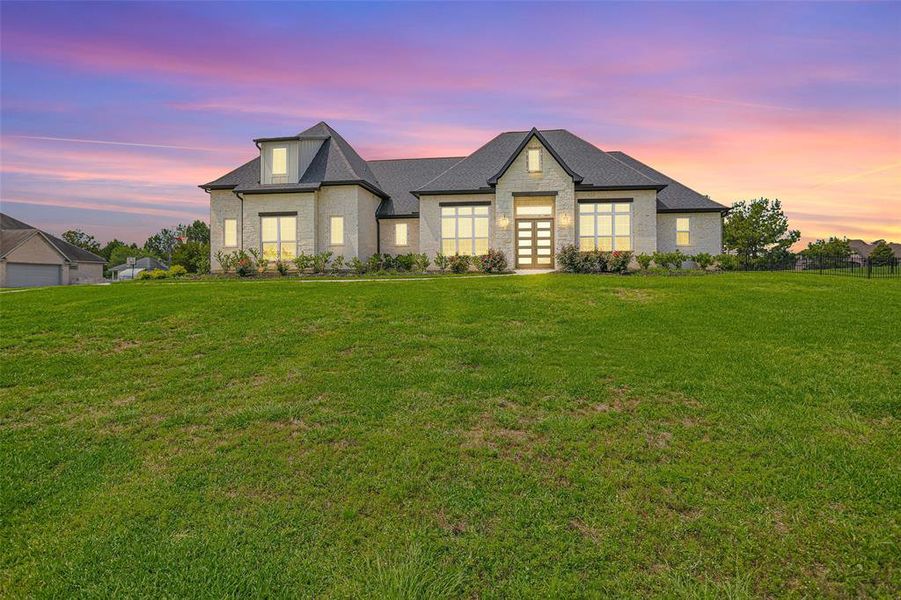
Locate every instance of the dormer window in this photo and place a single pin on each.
(534, 160)
(279, 165)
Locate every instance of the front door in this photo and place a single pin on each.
(534, 243)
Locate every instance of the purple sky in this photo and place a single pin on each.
(112, 114)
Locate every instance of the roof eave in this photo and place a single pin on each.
(589, 187)
(419, 193)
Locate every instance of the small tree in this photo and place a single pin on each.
(833, 248)
(758, 232)
(882, 254)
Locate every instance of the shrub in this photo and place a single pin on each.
(357, 265)
(338, 264)
(281, 266)
(177, 271)
(404, 262)
(420, 262)
(703, 260)
(572, 260)
(569, 259)
(243, 264)
(669, 260)
(728, 262)
(442, 262)
(320, 261)
(493, 262)
(303, 261)
(644, 260)
(618, 261)
(227, 260)
(153, 274)
(459, 263)
(260, 263)
(145, 274)
(376, 263)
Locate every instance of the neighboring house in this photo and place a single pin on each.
(30, 257)
(863, 249)
(527, 193)
(130, 272)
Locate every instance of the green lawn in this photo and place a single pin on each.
(551, 435)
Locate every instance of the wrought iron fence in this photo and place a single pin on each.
(853, 265)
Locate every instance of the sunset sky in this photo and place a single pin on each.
(112, 114)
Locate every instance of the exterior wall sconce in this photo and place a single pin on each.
(565, 219)
(503, 221)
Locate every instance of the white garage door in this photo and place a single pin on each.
(28, 275)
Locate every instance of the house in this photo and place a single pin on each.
(863, 249)
(526, 193)
(30, 257)
(147, 263)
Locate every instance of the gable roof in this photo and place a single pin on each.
(146, 262)
(14, 232)
(399, 177)
(864, 249)
(675, 197)
(400, 182)
(589, 166)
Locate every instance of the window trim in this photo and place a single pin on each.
(278, 233)
(331, 230)
(613, 234)
(686, 231)
(225, 243)
(406, 228)
(528, 160)
(456, 216)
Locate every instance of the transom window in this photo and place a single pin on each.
(683, 231)
(464, 230)
(230, 230)
(279, 161)
(605, 226)
(279, 237)
(400, 234)
(534, 159)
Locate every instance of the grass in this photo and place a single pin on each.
(693, 437)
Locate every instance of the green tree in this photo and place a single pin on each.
(120, 254)
(198, 231)
(833, 248)
(79, 238)
(882, 254)
(193, 256)
(162, 243)
(107, 250)
(758, 232)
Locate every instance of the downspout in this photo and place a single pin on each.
(378, 235)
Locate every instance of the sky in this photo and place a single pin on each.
(111, 114)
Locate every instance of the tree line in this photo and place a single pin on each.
(185, 245)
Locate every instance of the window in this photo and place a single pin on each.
(605, 226)
(279, 236)
(534, 155)
(230, 229)
(683, 231)
(400, 234)
(464, 230)
(279, 161)
(336, 231)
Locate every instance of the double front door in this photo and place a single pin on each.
(534, 243)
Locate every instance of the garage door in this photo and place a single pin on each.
(28, 275)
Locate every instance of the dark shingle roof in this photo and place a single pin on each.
(147, 262)
(399, 177)
(675, 196)
(13, 232)
(594, 167)
(401, 181)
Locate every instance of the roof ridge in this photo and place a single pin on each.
(416, 158)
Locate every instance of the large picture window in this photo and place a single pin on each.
(605, 226)
(464, 230)
(279, 237)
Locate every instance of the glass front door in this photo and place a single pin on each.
(534, 243)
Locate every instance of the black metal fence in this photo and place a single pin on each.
(853, 265)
